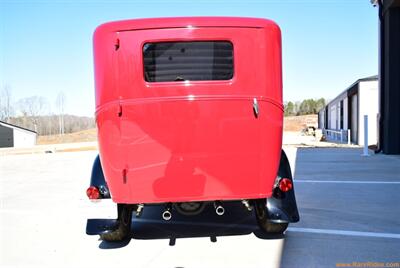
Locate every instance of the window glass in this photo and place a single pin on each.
(181, 61)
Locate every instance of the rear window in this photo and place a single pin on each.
(192, 61)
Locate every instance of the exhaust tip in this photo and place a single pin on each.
(220, 210)
(167, 215)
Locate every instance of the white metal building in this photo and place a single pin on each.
(15, 136)
(345, 113)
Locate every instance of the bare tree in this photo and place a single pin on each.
(60, 103)
(34, 113)
(6, 109)
(32, 107)
(49, 124)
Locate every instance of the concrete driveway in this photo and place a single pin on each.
(348, 207)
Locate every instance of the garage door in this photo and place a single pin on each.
(6, 137)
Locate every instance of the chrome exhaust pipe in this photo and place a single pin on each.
(167, 215)
(219, 209)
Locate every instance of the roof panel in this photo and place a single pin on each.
(184, 22)
(15, 126)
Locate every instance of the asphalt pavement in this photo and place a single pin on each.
(348, 207)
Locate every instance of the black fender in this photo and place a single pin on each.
(282, 207)
(97, 179)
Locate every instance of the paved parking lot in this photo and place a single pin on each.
(349, 209)
(348, 206)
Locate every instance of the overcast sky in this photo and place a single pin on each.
(46, 46)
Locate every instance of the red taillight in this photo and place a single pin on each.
(285, 185)
(92, 192)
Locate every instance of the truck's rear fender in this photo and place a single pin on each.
(283, 209)
(97, 179)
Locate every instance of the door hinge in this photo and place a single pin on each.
(116, 44)
(119, 110)
(124, 175)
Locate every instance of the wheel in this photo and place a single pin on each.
(123, 228)
(264, 224)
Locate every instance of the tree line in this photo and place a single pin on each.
(307, 106)
(35, 113)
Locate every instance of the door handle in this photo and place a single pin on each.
(255, 107)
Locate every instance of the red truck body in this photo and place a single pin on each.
(198, 136)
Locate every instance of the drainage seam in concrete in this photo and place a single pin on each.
(342, 232)
(349, 182)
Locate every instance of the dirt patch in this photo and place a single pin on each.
(298, 123)
(86, 148)
(291, 123)
(80, 136)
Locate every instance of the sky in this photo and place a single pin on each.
(46, 46)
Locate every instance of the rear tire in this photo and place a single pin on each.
(123, 227)
(263, 222)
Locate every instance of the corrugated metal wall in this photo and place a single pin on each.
(389, 77)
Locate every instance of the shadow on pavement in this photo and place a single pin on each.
(114, 245)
